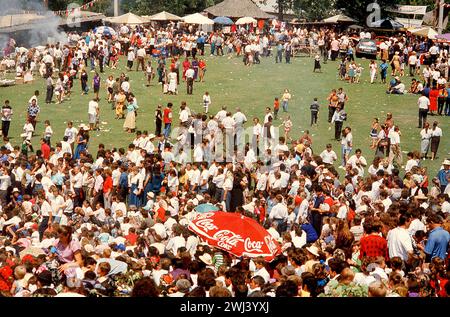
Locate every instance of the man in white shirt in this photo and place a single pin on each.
(184, 116)
(399, 240)
(411, 162)
(190, 80)
(357, 160)
(141, 58)
(279, 212)
(93, 112)
(71, 133)
(239, 120)
(130, 58)
(261, 270)
(328, 156)
(412, 61)
(424, 104)
(395, 151)
(221, 114)
(176, 242)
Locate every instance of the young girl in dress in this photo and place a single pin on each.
(48, 132)
(287, 124)
(358, 73)
(374, 132)
(352, 72)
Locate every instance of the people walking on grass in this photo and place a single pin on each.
(285, 100)
(314, 108)
(6, 113)
(96, 82)
(206, 102)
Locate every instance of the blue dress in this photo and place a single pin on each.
(80, 147)
(133, 199)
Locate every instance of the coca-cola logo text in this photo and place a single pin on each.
(227, 239)
(253, 246)
(271, 244)
(206, 224)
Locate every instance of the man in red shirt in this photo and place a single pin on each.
(45, 149)
(372, 244)
(167, 119)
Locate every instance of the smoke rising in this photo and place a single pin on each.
(43, 31)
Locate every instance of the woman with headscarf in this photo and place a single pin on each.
(130, 121)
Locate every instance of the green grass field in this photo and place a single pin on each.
(230, 83)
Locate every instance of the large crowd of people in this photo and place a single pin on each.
(77, 221)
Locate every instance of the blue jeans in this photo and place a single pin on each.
(345, 150)
(279, 57)
(284, 104)
(167, 129)
(92, 64)
(228, 202)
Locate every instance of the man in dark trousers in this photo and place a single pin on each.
(338, 118)
(50, 87)
(190, 80)
(314, 111)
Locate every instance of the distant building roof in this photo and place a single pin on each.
(237, 9)
(28, 21)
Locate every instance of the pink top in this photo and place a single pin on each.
(66, 253)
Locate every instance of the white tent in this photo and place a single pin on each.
(338, 18)
(163, 16)
(246, 20)
(197, 18)
(127, 18)
(425, 32)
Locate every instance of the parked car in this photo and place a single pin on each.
(366, 47)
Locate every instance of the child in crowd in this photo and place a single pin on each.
(48, 132)
(206, 101)
(276, 108)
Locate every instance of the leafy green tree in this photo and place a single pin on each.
(314, 10)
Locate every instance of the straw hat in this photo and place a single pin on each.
(206, 258)
(313, 250)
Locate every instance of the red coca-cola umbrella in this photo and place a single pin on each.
(236, 234)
